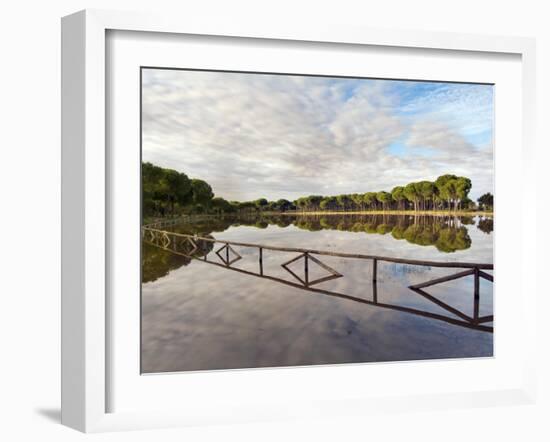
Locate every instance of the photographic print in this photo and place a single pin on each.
(297, 220)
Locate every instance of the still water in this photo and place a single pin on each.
(197, 315)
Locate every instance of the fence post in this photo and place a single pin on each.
(261, 261)
(306, 270)
(476, 283)
(374, 269)
(476, 309)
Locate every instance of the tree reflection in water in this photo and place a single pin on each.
(192, 246)
(157, 262)
(447, 234)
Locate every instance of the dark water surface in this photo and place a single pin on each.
(200, 316)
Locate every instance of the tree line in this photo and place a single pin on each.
(448, 192)
(167, 192)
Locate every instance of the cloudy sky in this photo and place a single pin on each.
(277, 136)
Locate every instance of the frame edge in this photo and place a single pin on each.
(83, 206)
(73, 81)
(83, 259)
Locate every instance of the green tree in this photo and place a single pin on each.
(385, 198)
(284, 205)
(174, 188)
(152, 199)
(221, 205)
(245, 206)
(163, 189)
(446, 188)
(261, 203)
(343, 201)
(453, 189)
(301, 203)
(313, 201)
(369, 199)
(357, 199)
(463, 187)
(398, 195)
(202, 193)
(328, 203)
(485, 201)
(427, 190)
(411, 193)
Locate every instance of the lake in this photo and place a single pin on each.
(201, 314)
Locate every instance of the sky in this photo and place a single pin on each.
(280, 136)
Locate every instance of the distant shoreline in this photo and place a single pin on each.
(440, 213)
(386, 212)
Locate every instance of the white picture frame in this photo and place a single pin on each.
(85, 206)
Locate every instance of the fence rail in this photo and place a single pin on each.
(416, 262)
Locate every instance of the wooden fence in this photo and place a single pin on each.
(192, 245)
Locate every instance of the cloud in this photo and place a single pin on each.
(275, 136)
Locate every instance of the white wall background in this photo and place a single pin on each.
(30, 215)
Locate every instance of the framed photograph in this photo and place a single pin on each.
(266, 222)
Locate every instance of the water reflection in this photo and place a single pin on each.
(197, 248)
(157, 262)
(485, 225)
(447, 234)
(197, 316)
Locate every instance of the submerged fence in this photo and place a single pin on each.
(199, 247)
